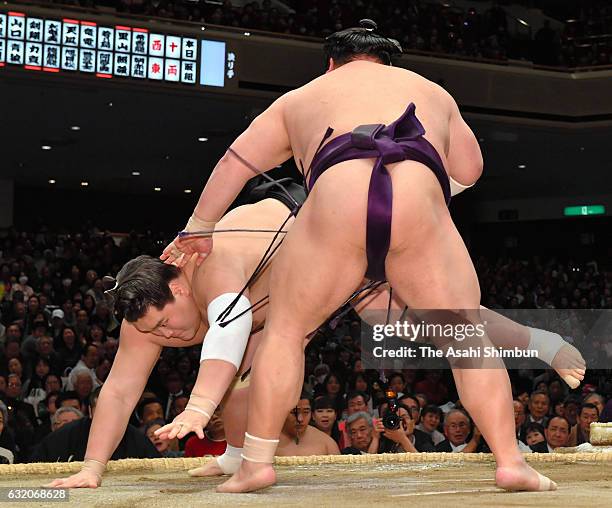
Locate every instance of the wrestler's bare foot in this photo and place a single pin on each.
(522, 477)
(209, 469)
(251, 476)
(570, 365)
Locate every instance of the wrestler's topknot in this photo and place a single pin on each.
(141, 283)
(347, 45)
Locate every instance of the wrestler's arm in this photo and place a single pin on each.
(464, 158)
(120, 393)
(214, 375)
(264, 144)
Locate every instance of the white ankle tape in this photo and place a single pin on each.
(257, 449)
(547, 344)
(230, 461)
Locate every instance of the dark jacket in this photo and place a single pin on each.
(540, 447)
(70, 443)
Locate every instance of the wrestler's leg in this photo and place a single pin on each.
(564, 358)
(434, 271)
(314, 272)
(234, 415)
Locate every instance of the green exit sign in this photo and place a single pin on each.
(572, 211)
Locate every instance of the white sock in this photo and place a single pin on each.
(547, 344)
(230, 461)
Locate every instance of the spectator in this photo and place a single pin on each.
(174, 388)
(397, 440)
(457, 427)
(421, 440)
(21, 417)
(539, 405)
(571, 404)
(68, 399)
(357, 401)
(52, 383)
(150, 409)
(598, 400)
(397, 383)
(214, 442)
(556, 434)
(325, 419)
(332, 388)
(299, 438)
(431, 416)
(361, 430)
(7, 440)
(88, 364)
(532, 434)
(69, 349)
(70, 442)
(580, 433)
(161, 445)
(63, 416)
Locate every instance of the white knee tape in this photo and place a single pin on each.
(228, 342)
(230, 461)
(547, 344)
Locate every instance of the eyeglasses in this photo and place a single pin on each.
(456, 426)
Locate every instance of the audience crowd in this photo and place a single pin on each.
(59, 336)
(491, 31)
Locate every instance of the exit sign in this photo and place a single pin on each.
(573, 211)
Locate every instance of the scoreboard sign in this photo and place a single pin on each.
(80, 46)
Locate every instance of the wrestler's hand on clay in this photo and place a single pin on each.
(83, 479)
(180, 250)
(188, 421)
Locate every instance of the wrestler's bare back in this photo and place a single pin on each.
(234, 259)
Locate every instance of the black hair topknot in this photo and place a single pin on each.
(347, 45)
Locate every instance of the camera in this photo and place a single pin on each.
(392, 420)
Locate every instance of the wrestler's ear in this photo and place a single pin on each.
(178, 289)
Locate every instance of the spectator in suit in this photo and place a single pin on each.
(539, 407)
(580, 432)
(150, 409)
(70, 441)
(556, 434)
(457, 428)
(63, 416)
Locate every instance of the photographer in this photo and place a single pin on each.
(398, 440)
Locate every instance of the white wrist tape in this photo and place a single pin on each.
(230, 461)
(456, 187)
(95, 466)
(547, 344)
(202, 405)
(196, 224)
(228, 342)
